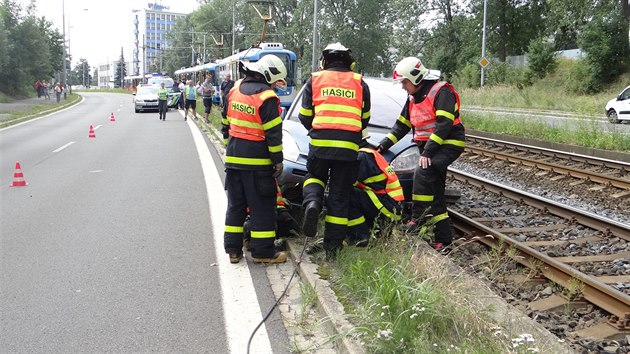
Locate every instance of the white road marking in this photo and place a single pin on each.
(63, 147)
(238, 296)
(95, 171)
(98, 126)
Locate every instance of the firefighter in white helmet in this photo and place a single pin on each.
(335, 109)
(432, 110)
(252, 126)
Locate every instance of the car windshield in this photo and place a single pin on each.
(147, 90)
(387, 100)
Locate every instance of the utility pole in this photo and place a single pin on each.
(483, 42)
(314, 65)
(233, 30)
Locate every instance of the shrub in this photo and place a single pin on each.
(541, 58)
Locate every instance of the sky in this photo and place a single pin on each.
(97, 29)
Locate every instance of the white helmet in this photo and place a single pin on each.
(270, 67)
(411, 68)
(336, 52)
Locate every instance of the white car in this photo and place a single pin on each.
(618, 109)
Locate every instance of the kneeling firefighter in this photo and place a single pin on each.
(253, 160)
(377, 194)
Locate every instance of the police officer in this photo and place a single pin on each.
(377, 195)
(162, 101)
(432, 111)
(253, 129)
(335, 109)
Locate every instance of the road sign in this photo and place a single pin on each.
(484, 62)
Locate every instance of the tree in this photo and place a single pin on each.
(81, 73)
(121, 71)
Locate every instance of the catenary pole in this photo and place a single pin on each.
(314, 59)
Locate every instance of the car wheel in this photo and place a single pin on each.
(137, 110)
(612, 116)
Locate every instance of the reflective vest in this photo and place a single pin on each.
(279, 198)
(162, 94)
(338, 100)
(243, 114)
(187, 92)
(422, 115)
(392, 185)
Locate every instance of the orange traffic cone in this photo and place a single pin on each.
(91, 133)
(18, 177)
(112, 118)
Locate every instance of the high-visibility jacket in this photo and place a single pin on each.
(392, 184)
(338, 100)
(243, 115)
(162, 94)
(423, 115)
(187, 92)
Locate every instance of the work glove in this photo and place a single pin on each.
(277, 169)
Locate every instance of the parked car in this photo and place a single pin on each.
(146, 98)
(387, 100)
(618, 109)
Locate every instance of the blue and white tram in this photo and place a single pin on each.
(198, 74)
(230, 64)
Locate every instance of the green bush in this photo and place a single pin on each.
(541, 58)
(468, 77)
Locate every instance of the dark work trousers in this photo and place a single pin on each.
(162, 108)
(255, 190)
(428, 192)
(340, 175)
(363, 213)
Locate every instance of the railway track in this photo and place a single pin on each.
(585, 256)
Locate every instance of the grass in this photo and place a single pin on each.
(548, 93)
(403, 301)
(587, 133)
(32, 111)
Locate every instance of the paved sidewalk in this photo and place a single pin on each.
(23, 106)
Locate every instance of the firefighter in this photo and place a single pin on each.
(432, 111)
(335, 109)
(253, 129)
(377, 194)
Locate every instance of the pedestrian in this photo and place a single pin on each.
(432, 111)
(45, 88)
(57, 89)
(335, 109)
(38, 88)
(190, 94)
(177, 93)
(162, 101)
(182, 99)
(207, 91)
(376, 196)
(252, 127)
(226, 86)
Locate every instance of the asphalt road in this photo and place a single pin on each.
(111, 245)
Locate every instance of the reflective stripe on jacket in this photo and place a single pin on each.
(243, 114)
(392, 185)
(423, 115)
(338, 100)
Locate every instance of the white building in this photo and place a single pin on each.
(107, 73)
(150, 26)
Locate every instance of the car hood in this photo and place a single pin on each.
(300, 135)
(146, 97)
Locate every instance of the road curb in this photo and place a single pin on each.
(334, 316)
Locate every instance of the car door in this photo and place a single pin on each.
(623, 104)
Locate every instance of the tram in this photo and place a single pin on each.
(198, 74)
